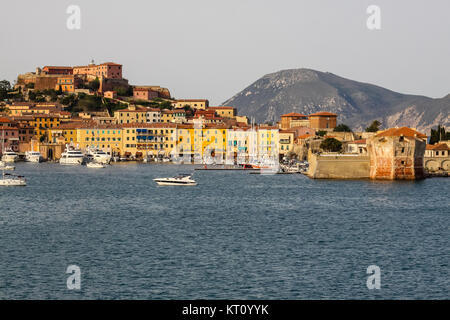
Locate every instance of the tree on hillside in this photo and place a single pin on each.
(331, 145)
(374, 127)
(439, 134)
(321, 133)
(5, 87)
(94, 84)
(342, 128)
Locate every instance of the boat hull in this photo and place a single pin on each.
(168, 183)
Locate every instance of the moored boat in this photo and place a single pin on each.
(72, 156)
(33, 156)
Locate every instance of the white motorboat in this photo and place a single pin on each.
(180, 180)
(98, 155)
(94, 164)
(72, 156)
(12, 180)
(33, 156)
(9, 156)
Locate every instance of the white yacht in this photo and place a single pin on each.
(72, 156)
(12, 180)
(10, 156)
(33, 156)
(180, 180)
(98, 156)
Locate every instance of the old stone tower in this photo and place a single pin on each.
(397, 154)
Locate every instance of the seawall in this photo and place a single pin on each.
(338, 166)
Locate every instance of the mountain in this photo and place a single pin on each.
(357, 104)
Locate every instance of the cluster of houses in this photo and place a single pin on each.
(193, 128)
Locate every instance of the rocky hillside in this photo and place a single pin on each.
(357, 104)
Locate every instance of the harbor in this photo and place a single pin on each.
(226, 236)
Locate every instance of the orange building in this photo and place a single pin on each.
(322, 120)
(109, 70)
(68, 83)
(293, 119)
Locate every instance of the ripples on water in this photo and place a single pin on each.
(234, 236)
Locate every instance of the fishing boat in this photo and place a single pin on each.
(180, 180)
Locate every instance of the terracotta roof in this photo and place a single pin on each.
(438, 147)
(294, 114)
(403, 131)
(192, 100)
(224, 108)
(5, 120)
(150, 125)
(323, 113)
(304, 136)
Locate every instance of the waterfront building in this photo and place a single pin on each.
(9, 135)
(397, 153)
(286, 141)
(437, 157)
(140, 139)
(268, 142)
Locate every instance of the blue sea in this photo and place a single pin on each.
(234, 236)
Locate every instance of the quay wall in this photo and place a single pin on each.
(339, 166)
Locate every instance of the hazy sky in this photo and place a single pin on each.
(213, 49)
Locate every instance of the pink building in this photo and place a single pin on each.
(144, 94)
(9, 135)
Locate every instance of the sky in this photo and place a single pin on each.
(214, 49)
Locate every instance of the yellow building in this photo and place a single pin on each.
(173, 116)
(133, 114)
(21, 108)
(140, 139)
(107, 137)
(286, 141)
(224, 112)
(69, 131)
(268, 141)
(195, 104)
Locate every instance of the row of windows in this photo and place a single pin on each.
(103, 139)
